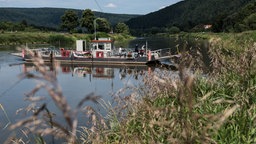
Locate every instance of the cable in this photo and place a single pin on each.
(98, 5)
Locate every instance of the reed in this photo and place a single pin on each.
(190, 108)
(6, 117)
(236, 82)
(170, 111)
(41, 122)
(187, 106)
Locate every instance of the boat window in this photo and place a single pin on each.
(101, 46)
(108, 46)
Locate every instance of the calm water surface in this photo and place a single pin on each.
(76, 82)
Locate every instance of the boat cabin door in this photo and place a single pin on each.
(80, 45)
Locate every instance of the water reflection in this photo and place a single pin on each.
(76, 81)
(96, 72)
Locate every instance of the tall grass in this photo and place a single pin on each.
(6, 117)
(170, 111)
(236, 81)
(187, 106)
(190, 108)
(41, 122)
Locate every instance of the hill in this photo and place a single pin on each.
(50, 17)
(187, 14)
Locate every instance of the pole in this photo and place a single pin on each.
(95, 28)
(94, 23)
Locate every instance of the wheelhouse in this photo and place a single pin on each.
(102, 47)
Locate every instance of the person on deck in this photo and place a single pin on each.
(136, 48)
(120, 51)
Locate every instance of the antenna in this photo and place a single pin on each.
(94, 22)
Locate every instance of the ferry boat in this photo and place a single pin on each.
(101, 51)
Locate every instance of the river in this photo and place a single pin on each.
(76, 82)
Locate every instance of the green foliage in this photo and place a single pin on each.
(16, 38)
(173, 30)
(103, 25)
(87, 20)
(154, 30)
(122, 28)
(69, 20)
(61, 40)
(235, 82)
(187, 14)
(9, 26)
(241, 20)
(99, 35)
(250, 21)
(194, 108)
(50, 17)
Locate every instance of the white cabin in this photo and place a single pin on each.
(101, 48)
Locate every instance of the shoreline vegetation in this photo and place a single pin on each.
(193, 108)
(53, 38)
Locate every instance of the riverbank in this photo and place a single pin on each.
(53, 38)
(230, 41)
(215, 108)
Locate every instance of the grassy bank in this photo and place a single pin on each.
(52, 38)
(230, 41)
(217, 107)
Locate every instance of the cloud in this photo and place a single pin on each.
(110, 5)
(162, 7)
(95, 10)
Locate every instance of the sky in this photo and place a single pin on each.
(106, 6)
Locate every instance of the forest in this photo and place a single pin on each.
(50, 18)
(192, 15)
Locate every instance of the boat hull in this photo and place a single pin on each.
(88, 60)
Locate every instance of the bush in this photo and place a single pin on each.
(174, 30)
(61, 40)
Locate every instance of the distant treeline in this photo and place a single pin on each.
(50, 18)
(22, 26)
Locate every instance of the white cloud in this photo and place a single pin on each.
(110, 5)
(162, 7)
(95, 10)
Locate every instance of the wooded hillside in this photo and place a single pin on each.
(187, 14)
(51, 17)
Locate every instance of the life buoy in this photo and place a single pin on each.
(99, 54)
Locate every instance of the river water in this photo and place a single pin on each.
(76, 82)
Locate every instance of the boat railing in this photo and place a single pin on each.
(161, 52)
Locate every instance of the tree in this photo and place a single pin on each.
(251, 21)
(87, 20)
(24, 23)
(122, 28)
(173, 30)
(69, 20)
(103, 25)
